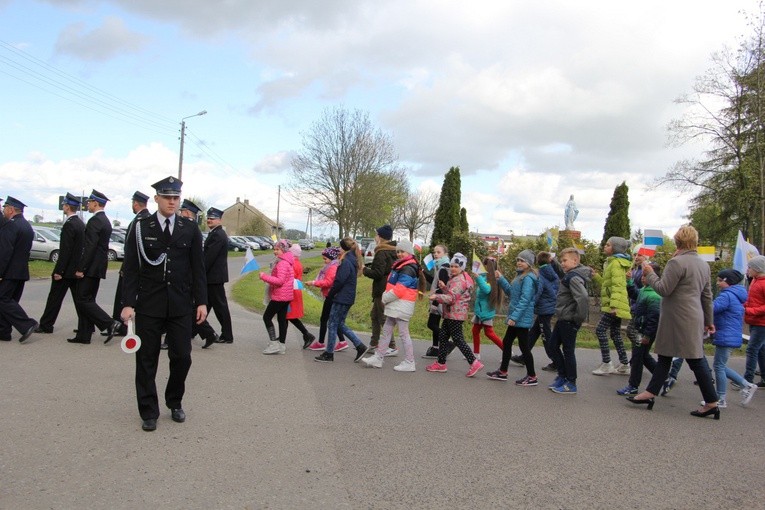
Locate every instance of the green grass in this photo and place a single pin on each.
(249, 290)
(44, 268)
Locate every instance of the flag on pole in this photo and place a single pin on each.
(653, 237)
(478, 267)
(743, 254)
(579, 246)
(429, 262)
(250, 264)
(648, 251)
(707, 253)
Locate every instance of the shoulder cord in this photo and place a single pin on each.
(142, 250)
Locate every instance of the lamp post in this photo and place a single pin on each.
(183, 135)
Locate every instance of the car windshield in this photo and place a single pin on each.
(48, 234)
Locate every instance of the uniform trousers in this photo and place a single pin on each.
(88, 311)
(178, 339)
(216, 299)
(56, 295)
(11, 312)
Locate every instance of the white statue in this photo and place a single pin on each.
(570, 213)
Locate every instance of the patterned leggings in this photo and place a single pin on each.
(451, 328)
(403, 334)
(610, 322)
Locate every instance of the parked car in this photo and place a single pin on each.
(261, 244)
(234, 245)
(369, 252)
(45, 244)
(116, 251)
(243, 240)
(306, 244)
(266, 240)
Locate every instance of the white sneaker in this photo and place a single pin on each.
(374, 361)
(604, 369)
(405, 366)
(391, 352)
(273, 348)
(622, 369)
(282, 348)
(747, 394)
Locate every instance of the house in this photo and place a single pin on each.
(240, 214)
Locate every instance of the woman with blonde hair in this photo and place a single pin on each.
(686, 314)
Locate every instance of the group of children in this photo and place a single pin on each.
(542, 287)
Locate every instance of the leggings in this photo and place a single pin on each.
(490, 334)
(434, 325)
(278, 308)
(610, 322)
(299, 325)
(523, 342)
(324, 320)
(452, 328)
(403, 333)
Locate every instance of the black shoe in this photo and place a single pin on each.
(40, 329)
(163, 346)
(178, 415)
(714, 411)
(76, 340)
(5, 339)
(431, 353)
(360, 351)
(761, 384)
(518, 360)
(550, 368)
(112, 331)
(325, 357)
(226, 341)
(149, 425)
(308, 340)
(649, 402)
(212, 340)
(28, 333)
(450, 348)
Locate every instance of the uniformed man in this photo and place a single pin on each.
(190, 210)
(164, 254)
(138, 204)
(69, 254)
(216, 265)
(16, 237)
(90, 271)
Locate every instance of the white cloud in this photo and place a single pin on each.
(110, 39)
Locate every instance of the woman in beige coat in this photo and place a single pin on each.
(686, 313)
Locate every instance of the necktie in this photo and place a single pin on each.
(167, 230)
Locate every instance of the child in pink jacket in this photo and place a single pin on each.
(281, 282)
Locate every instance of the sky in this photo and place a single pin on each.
(534, 101)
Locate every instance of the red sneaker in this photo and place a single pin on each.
(316, 346)
(474, 368)
(436, 367)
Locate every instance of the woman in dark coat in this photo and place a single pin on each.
(686, 314)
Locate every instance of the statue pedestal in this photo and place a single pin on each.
(574, 235)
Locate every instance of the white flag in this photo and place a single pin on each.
(743, 254)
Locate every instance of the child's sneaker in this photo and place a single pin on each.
(341, 346)
(518, 360)
(667, 386)
(604, 369)
(622, 369)
(436, 367)
(627, 390)
(474, 368)
(390, 351)
(316, 346)
(497, 375)
(747, 394)
(527, 381)
(557, 382)
(325, 357)
(405, 366)
(374, 361)
(567, 388)
(550, 367)
(431, 353)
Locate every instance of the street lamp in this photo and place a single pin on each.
(183, 134)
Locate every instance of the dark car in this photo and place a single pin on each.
(236, 245)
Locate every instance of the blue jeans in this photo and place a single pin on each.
(723, 373)
(755, 351)
(336, 323)
(563, 349)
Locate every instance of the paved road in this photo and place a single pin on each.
(285, 432)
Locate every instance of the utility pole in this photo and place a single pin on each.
(183, 135)
(278, 200)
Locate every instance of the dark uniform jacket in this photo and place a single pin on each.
(16, 237)
(95, 251)
(385, 255)
(174, 287)
(70, 247)
(143, 213)
(216, 256)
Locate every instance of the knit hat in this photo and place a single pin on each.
(757, 264)
(405, 245)
(331, 253)
(527, 256)
(730, 276)
(283, 244)
(296, 250)
(460, 260)
(385, 232)
(619, 244)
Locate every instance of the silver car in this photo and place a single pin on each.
(45, 244)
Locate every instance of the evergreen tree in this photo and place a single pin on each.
(618, 220)
(447, 218)
(464, 227)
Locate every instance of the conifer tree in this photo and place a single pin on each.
(618, 220)
(447, 217)
(464, 227)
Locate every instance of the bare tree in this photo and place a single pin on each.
(418, 211)
(345, 166)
